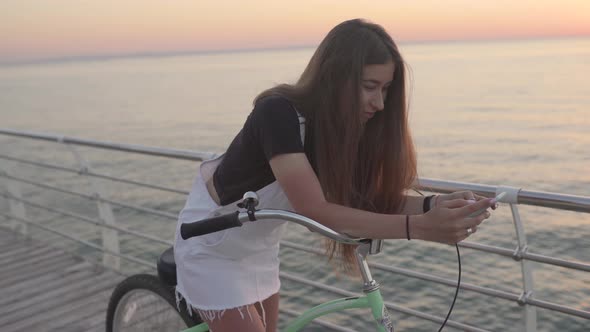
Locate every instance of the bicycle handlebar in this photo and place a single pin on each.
(237, 219)
(210, 225)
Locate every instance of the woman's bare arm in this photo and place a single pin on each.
(414, 205)
(302, 187)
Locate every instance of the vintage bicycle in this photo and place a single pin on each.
(146, 302)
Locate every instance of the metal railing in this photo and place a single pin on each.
(110, 231)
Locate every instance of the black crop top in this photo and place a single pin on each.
(272, 128)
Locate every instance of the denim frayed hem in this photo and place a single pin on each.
(211, 315)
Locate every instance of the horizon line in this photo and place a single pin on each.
(175, 53)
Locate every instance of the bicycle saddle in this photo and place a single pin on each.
(167, 267)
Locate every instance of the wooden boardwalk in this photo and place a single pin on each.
(46, 289)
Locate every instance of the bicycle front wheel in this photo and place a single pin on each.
(143, 303)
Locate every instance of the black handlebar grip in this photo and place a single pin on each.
(210, 225)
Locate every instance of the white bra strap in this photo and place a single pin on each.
(301, 126)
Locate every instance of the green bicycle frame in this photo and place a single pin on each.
(203, 327)
(372, 298)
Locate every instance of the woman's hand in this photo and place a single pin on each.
(450, 221)
(466, 195)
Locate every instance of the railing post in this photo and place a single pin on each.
(530, 311)
(17, 208)
(110, 237)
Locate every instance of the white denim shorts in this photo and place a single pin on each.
(232, 268)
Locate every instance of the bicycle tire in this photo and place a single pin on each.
(142, 302)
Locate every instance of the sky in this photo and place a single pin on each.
(44, 29)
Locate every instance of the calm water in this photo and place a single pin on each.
(500, 113)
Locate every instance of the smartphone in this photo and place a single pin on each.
(498, 198)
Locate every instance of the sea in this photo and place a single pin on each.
(502, 112)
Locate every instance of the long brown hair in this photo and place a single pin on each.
(365, 166)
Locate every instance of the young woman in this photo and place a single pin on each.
(334, 147)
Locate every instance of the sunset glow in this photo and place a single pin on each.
(36, 29)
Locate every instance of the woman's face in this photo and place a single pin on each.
(374, 84)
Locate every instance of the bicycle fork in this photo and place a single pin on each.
(371, 300)
(371, 287)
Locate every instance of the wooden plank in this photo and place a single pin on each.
(29, 287)
(26, 259)
(6, 233)
(19, 252)
(39, 315)
(79, 318)
(46, 299)
(9, 243)
(14, 242)
(43, 288)
(97, 322)
(50, 263)
(86, 320)
(17, 249)
(95, 328)
(40, 270)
